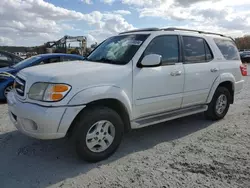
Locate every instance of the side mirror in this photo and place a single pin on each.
(152, 60)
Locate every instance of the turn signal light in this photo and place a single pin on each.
(56, 96)
(60, 88)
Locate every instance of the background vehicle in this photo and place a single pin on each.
(8, 59)
(133, 80)
(6, 82)
(245, 56)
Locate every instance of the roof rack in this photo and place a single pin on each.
(141, 30)
(192, 30)
(175, 29)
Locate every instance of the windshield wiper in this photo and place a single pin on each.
(106, 60)
(87, 59)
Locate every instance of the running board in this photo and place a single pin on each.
(166, 116)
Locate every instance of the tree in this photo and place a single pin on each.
(243, 42)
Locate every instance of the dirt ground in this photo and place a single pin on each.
(188, 152)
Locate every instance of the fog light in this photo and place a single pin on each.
(29, 125)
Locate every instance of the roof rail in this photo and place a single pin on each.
(141, 30)
(175, 29)
(192, 30)
(198, 31)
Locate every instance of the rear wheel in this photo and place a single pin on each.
(98, 133)
(218, 107)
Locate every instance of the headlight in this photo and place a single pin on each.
(48, 92)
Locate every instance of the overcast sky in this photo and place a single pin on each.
(34, 22)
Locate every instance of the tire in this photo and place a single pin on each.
(84, 125)
(212, 113)
(7, 87)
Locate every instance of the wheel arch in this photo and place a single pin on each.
(111, 103)
(109, 96)
(230, 86)
(226, 80)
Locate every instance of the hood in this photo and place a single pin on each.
(7, 69)
(80, 73)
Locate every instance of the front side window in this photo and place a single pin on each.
(227, 48)
(167, 46)
(117, 50)
(196, 50)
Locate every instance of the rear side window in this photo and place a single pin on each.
(166, 46)
(227, 48)
(196, 50)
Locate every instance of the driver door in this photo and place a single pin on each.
(159, 89)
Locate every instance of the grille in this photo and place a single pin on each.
(19, 86)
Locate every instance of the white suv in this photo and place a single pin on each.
(135, 79)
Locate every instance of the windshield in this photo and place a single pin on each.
(118, 50)
(26, 62)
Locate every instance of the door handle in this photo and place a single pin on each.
(214, 70)
(176, 73)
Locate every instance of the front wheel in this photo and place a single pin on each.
(98, 133)
(218, 107)
(7, 89)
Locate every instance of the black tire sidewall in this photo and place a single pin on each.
(218, 93)
(5, 97)
(90, 117)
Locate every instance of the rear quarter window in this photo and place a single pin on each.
(227, 48)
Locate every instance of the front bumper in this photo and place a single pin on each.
(41, 122)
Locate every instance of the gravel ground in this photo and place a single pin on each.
(188, 152)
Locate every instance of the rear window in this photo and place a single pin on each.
(228, 49)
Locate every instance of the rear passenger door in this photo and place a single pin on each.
(201, 70)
